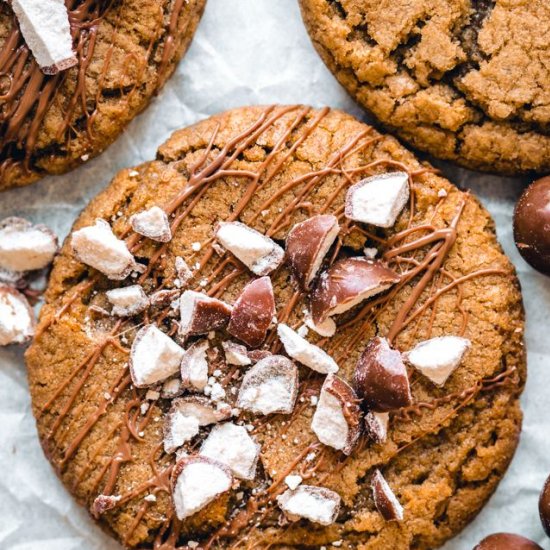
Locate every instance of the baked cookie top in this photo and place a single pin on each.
(467, 81)
(125, 51)
(248, 364)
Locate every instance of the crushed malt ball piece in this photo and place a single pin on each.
(232, 445)
(438, 357)
(154, 357)
(326, 328)
(201, 314)
(376, 426)
(17, 319)
(307, 245)
(104, 503)
(46, 29)
(258, 252)
(378, 200)
(24, 246)
(164, 297)
(305, 352)
(292, 481)
(153, 224)
(171, 388)
(183, 271)
(236, 354)
(381, 378)
(128, 301)
(186, 416)
(194, 366)
(270, 386)
(347, 283)
(384, 499)
(253, 312)
(337, 419)
(98, 247)
(317, 504)
(196, 482)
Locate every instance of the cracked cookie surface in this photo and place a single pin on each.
(464, 80)
(126, 51)
(271, 167)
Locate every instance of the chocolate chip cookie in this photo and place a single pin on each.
(123, 53)
(283, 332)
(463, 80)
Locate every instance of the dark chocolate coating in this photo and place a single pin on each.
(544, 506)
(532, 225)
(507, 541)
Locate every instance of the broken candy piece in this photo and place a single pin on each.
(337, 418)
(378, 200)
(307, 244)
(183, 271)
(236, 354)
(304, 352)
(16, 317)
(196, 482)
(316, 504)
(104, 503)
(194, 366)
(24, 246)
(253, 312)
(326, 328)
(231, 445)
(153, 224)
(438, 357)
(347, 283)
(47, 32)
(128, 301)
(381, 378)
(98, 247)
(154, 357)
(384, 499)
(186, 416)
(258, 252)
(270, 386)
(200, 314)
(376, 426)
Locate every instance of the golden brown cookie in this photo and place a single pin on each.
(107, 403)
(463, 80)
(126, 51)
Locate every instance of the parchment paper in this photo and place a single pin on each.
(245, 52)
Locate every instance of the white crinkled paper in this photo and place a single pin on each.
(245, 52)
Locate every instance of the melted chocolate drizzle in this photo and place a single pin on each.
(418, 253)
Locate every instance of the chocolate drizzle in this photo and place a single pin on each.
(27, 95)
(417, 253)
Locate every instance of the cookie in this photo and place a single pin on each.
(125, 52)
(205, 411)
(466, 81)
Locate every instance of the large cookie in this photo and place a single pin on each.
(443, 272)
(126, 51)
(464, 80)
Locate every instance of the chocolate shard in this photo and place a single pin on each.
(337, 420)
(305, 352)
(98, 247)
(186, 416)
(154, 357)
(17, 319)
(307, 244)
(317, 504)
(46, 29)
(438, 357)
(270, 386)
(201, 314)
(24, 246)
(196, 482)
(379, 199)
(347, 283)
(253, 312)
(384, 499)
(232, 445)
(152, 223)
(381, 378)
(258, 252)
